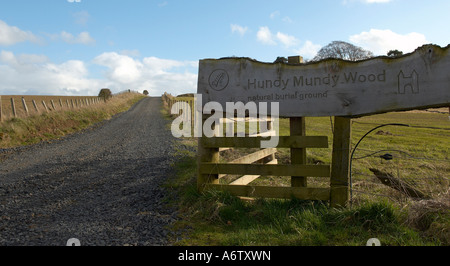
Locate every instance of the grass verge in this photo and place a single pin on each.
(49, 126)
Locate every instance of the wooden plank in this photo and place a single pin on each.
(340, 168)
(244, 180)
(264, 134)
(262, 169)
(298, 156)
(275, 192)
(256, 156)
(284, 142)
(247, 179)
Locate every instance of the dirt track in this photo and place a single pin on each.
(101, 186)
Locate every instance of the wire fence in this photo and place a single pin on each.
(414, 156)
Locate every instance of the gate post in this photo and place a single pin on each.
(340, 166)
(206, 155)
(298, 128)
(298, 156)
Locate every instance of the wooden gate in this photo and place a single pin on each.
(211, 169)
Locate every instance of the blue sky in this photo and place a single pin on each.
(77, 47)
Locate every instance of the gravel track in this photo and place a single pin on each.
(101, 186)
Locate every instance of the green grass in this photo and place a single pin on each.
(219, 219)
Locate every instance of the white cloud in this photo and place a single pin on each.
(287, 40)
(308, 50)
(239, 29)
(265, 36)
(381, 41)
(277, 14)
(74, 1)
(10, 35)
(122, 69)
(131, 53)
(151, 73)
(35, 74)
(82, 38)
(9, 58)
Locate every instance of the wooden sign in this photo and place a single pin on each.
(332, 87)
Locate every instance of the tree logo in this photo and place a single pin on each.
(219, 79)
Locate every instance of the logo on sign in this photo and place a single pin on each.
(408, 84)
(219, 79)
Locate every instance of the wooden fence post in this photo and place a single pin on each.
(25, 105)
(1, 109)
(53, 105)
(209, 155)
(35, 105)
(298, 128)
(13, 106)
(45, 106)
(340, 167)
(60, 103)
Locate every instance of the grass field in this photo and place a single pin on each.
(420, 158)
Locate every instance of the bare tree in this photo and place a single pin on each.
(343, 50)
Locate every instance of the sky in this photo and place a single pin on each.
(77, 47)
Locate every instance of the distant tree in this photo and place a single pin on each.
(146, 92)
(343, 50)
(394, 53)
(105, 94)
(281, 60)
